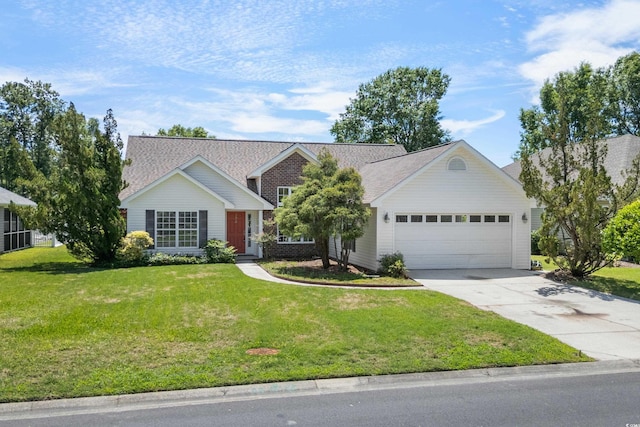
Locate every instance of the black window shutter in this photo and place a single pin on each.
(202, 228)
(150, 225)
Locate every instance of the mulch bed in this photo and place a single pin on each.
(316, 265)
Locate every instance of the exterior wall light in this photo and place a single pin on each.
(524, 218)
(386, 217)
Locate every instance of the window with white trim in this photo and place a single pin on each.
(457, 164)
(282, 193)
(449, 218)
(176, 229)
(187, 229)
(402, 218)
(282, 238)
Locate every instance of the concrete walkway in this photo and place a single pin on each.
(251, 269)
(602, 326)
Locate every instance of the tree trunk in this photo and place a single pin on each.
(323, 248)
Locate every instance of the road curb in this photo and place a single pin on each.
(129, 402)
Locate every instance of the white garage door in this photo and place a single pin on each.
(430, 241)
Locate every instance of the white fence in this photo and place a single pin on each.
(44, 240)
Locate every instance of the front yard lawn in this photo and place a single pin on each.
(67, 330)
(620, 281)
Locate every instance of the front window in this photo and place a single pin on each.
(188, 229)
(176, 229)
(282, 238)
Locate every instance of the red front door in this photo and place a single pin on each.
(236, 231)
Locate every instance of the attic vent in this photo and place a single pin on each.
(457, 164)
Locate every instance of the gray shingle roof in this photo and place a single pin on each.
(381, 176)
(7, 197)
(621, 151)
(153, 157)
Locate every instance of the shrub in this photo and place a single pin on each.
(621, 237)
(535, 239)
(160, 258)
(267, 239)
(133, 246)
(393, 265)
(267, 242)
(217, 251)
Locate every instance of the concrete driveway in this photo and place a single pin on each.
(602, 326)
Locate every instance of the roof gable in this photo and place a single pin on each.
(181, 173)
(6, 197)
(381, 179)
(243, 188)
(296, 148)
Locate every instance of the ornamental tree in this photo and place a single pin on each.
(327, 204)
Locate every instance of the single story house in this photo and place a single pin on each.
(443, 207)
(14, 234)
(621, 153)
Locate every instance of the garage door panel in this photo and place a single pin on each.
(454, 245)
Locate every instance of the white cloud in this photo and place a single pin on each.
(68, 82)
(10, 74)
(596, 35)
(465, 127)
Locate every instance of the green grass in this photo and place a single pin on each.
(292, 270)
(620, 281)
(67, 330)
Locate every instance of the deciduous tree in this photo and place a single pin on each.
(400, 106)
(179, 130)
(624, 94)
(27, 113)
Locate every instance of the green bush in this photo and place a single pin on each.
(535, 239)
(621, 237)
(393, 265)
(160, 258)
(218, 252)
(267, 242)
(133, 246)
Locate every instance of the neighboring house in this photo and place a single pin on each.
(621, 152)
(14, 234)
(443, 207)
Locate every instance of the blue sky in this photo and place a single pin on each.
(285, 69)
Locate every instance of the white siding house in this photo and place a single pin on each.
(442, 207)
(449, 207)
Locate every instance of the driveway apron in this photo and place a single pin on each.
(602, 326)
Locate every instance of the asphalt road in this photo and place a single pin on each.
(509, 398)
